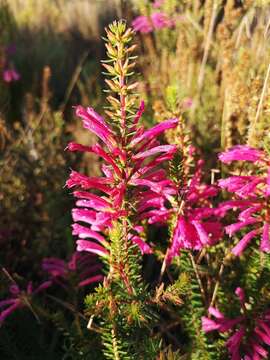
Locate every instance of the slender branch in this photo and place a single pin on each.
(207, 46)
(197, 276)
(217, 284)
(253, 124)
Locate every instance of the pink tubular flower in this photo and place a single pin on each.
(130, 169)
(156, 21)
(10, 75)
(142, 24)
(241, 153)
(243, 343)
(161, 20)
(84, 266)
(251, 198)
(197, 224)
(20, 298)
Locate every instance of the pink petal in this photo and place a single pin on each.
(265, 241)
(139, 114)
(72, 146)
(214, 229)
(97, 200)
(84, 245)
(93, 122)
(14, 290)
(233, 228)
(245, 214)
(215, 312)
(241, 294)
(233, 183)
(45, 285)
(262, 335)
(169, 149)
(259, 350)
(88, 216)
(203, 236)
(86, 182)
(157, 202)
(235, 340)
(243, 243)
(7, 302)
(161, 20)
(142, 24)
(239, 153)
(91, 280)
(209, 324)
(84, 233)
(97, 149)
(249, 189)
(155, 131)
(233, 205)
(5, 313)
(144, 247)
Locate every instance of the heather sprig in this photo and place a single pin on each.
(111, 209)
(81, 270)
(249, 332)
(251, 189)
(20, 298)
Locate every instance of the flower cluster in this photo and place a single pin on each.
(131, 184)
(10, 74)
(20, 298)
(251, 197)
(156, 21)
(83, 266)
(197, 225)
(243, 343)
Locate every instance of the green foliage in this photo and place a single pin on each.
(119, 68)
(199, 345)
(176, 168)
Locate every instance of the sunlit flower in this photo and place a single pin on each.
(251, 198)
(10, 75)
(243, 343)
(197, 225)
(132, 170)
(156, 21)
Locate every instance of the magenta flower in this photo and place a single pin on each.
(241, 153)
(251, 198)
(84, 266)
(157, 21)
(20, 298)
(131, 169)
(161, 20)
(10, 75)
(197, 224)
(243, 343)
(142, 24)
